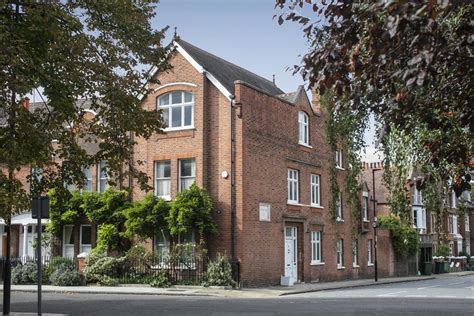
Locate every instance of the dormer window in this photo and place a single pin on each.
(178, 110)
(303, 126)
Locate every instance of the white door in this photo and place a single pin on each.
(291, 267)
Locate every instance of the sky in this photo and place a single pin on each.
(240, 31)
(243, 32)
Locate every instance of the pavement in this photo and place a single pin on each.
(268, 292)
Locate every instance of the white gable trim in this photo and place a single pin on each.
(201, 69)
(218, 85)
(175, 84)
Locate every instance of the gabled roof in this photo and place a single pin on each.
(223, 73)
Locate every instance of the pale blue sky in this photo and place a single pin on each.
(242, 32)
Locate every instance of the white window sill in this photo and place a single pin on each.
(340, 220)
(341, 268)
(305, 145)
(316, 263)
(370, 264)
(175, 129)
(339, 168)
(366, 221)
(164, 197)
(356, 266)
(293, 203)
(316, 206)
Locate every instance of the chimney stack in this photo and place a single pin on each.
(315, 102)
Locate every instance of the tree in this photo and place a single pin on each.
(65, 51)
(407, 62)
(192, 209)
(146, 218)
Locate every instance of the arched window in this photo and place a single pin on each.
(303, 125)
(178, 109)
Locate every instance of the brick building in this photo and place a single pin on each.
(454, 227)
(263, 157)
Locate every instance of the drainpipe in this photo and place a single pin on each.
(234, 263)
(130, 167)
(232, 177)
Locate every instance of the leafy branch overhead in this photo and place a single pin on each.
(407, 62)
(97, 52)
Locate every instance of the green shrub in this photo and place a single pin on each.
(108, 237)
(57, 263)
(64, 276)
(404, 237)
(163, 279)
(102, 269)
(25, 274)
(219, 273)
(443, 250)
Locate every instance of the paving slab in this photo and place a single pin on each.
(272, 291)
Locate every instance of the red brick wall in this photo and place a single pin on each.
(269, 147)
(208, 142)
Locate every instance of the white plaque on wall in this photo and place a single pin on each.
(264, 211)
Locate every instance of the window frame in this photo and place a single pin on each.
(180, 177)
(102, 164)
(156, 179)
(355, 253)
(88, 179)
(64, 245)
(81, 245)
(455, 224)
(340, 254)
(454, 199)
(181, 105)
(316, 248)
(339, 209)
(293, 186)
(339, 159)
(370, 256)
(433, 222)
(467, 226)
(164, 246)
(365, 210)
(315, 187)
(303, 128)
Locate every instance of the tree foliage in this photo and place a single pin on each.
(147, 217)
(107, 210)
(404, 236)
(192, 209)
(407, 62)
(64, 51)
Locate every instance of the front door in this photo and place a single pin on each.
(291, 265)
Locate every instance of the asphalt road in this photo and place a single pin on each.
(446, 296)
